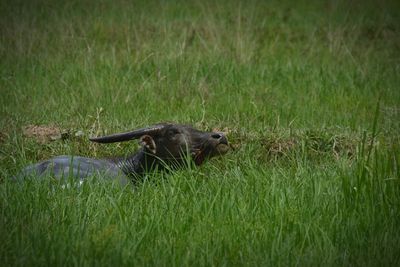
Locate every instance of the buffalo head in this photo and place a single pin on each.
(168, 142)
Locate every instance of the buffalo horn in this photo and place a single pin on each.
(120, 137)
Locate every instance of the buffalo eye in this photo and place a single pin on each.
(172, 132)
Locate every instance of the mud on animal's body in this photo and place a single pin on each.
(162, 145)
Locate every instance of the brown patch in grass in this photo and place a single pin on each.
(43, 133)
(279, 147)
(310, 144)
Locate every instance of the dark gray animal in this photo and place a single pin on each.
(162, 145)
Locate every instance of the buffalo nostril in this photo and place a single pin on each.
(216, 136)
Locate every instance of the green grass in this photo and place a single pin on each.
(309, 93)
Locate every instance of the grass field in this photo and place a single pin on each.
(308, 91)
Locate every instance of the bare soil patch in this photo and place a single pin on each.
(44, 133)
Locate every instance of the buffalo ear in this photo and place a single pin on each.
(148, 143)
(121, 137)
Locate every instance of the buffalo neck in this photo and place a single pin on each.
(136, 164)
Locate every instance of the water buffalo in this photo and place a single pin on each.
(162, 145)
